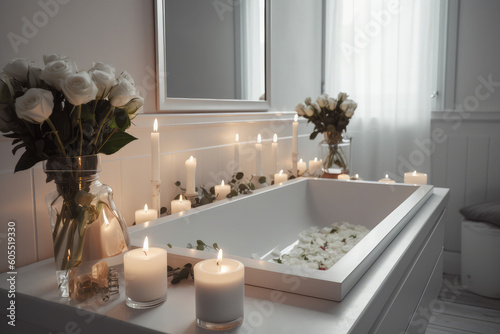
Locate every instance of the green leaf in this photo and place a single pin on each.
(252, 186)
(313, 135)
(169, 245)
(262, 179)
(239, 176)
(116, 142)
(14, 150)
(178, 183)
(163, 210)
(26, 161)
(216, 247)
(121, 119)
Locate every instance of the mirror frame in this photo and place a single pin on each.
(170, 104)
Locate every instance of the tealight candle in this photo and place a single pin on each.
(178, 205)
(190, 175)
(344, 177)
(258, 156)
(142, 216)
(280, 177)
(222, 190)
(145, 272)
(219, 293)
(301, 166)
(386, 179)
(315, 166)
(415, 178)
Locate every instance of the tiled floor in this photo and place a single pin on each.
(458, 311)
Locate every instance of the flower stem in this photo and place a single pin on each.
(100, 147)
(61, 146)
(102, 124)
(79, 115)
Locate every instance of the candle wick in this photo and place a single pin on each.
(145, 253)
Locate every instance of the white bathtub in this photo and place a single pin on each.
(274, 216)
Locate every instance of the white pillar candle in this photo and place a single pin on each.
(145, 272)
(274, 152)
(222, 190)
(178, 205)
(280, 177)
(301, 166)
(219, 290)
(190, 175)
(295, 127)
(258, 156)
(145, 215)
(315, 166)
(237, 153)
(155, 152)
(344, 177)
(415, 178)
(112, 240)
(386, 179)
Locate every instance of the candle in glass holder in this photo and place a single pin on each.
(280, 177)
(222, 190)
(219, 293)
(145, 272)
(142, 216)
(386, 179)
(190, 175)
(301, 166)
(178, 205)
(415, 178)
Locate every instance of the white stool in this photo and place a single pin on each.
(481, 258)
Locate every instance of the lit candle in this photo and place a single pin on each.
(343, 177)
(315, 166)
(258, 158)
(112, 240)
(145, 272)
(178, 205)
(222, 190)
(237, 153)
(386, 179)
(142, 216)
(415, 178)
(295, 127)
(219, 292)
(280, 177)
(190, 175)
(301, 166)
(274, 152)
(155, 152)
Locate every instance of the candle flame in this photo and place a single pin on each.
(191, 158)
(414, 173)
(237, 137)
(281, 171)
(145, 247)
(315, 159)
(386, 176)
(301, 160)
(275, 138)
(145, 208)
(222, 183)
(219, 258)
(259, 138)
(180, 198)
(155, 125)
(356, 176)
(295, 118)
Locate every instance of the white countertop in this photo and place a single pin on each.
(40, 310)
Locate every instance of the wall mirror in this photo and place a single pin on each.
(212, 55)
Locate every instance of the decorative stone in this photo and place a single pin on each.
(100, 274)
(83, 289)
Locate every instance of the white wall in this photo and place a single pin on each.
(121, 32)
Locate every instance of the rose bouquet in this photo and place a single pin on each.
(330, 116)
(66, 117)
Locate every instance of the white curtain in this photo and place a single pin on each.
(383, 53)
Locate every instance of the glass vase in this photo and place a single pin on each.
(335, 151)
(86, 225)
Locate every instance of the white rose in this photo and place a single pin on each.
(342, 96)
(57, 71)
(348, 107)
(125, 75)
(34, 76)
(309, 110)
(308, 101)
(316, 106)
(104, 82)
(98, 66)
(35, 105)
(122, 93)
(51, 58)
(332, 103)
(322, 101)
(79, 88)
(300, 109)
(18, 69)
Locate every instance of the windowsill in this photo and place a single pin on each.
(450, 115)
